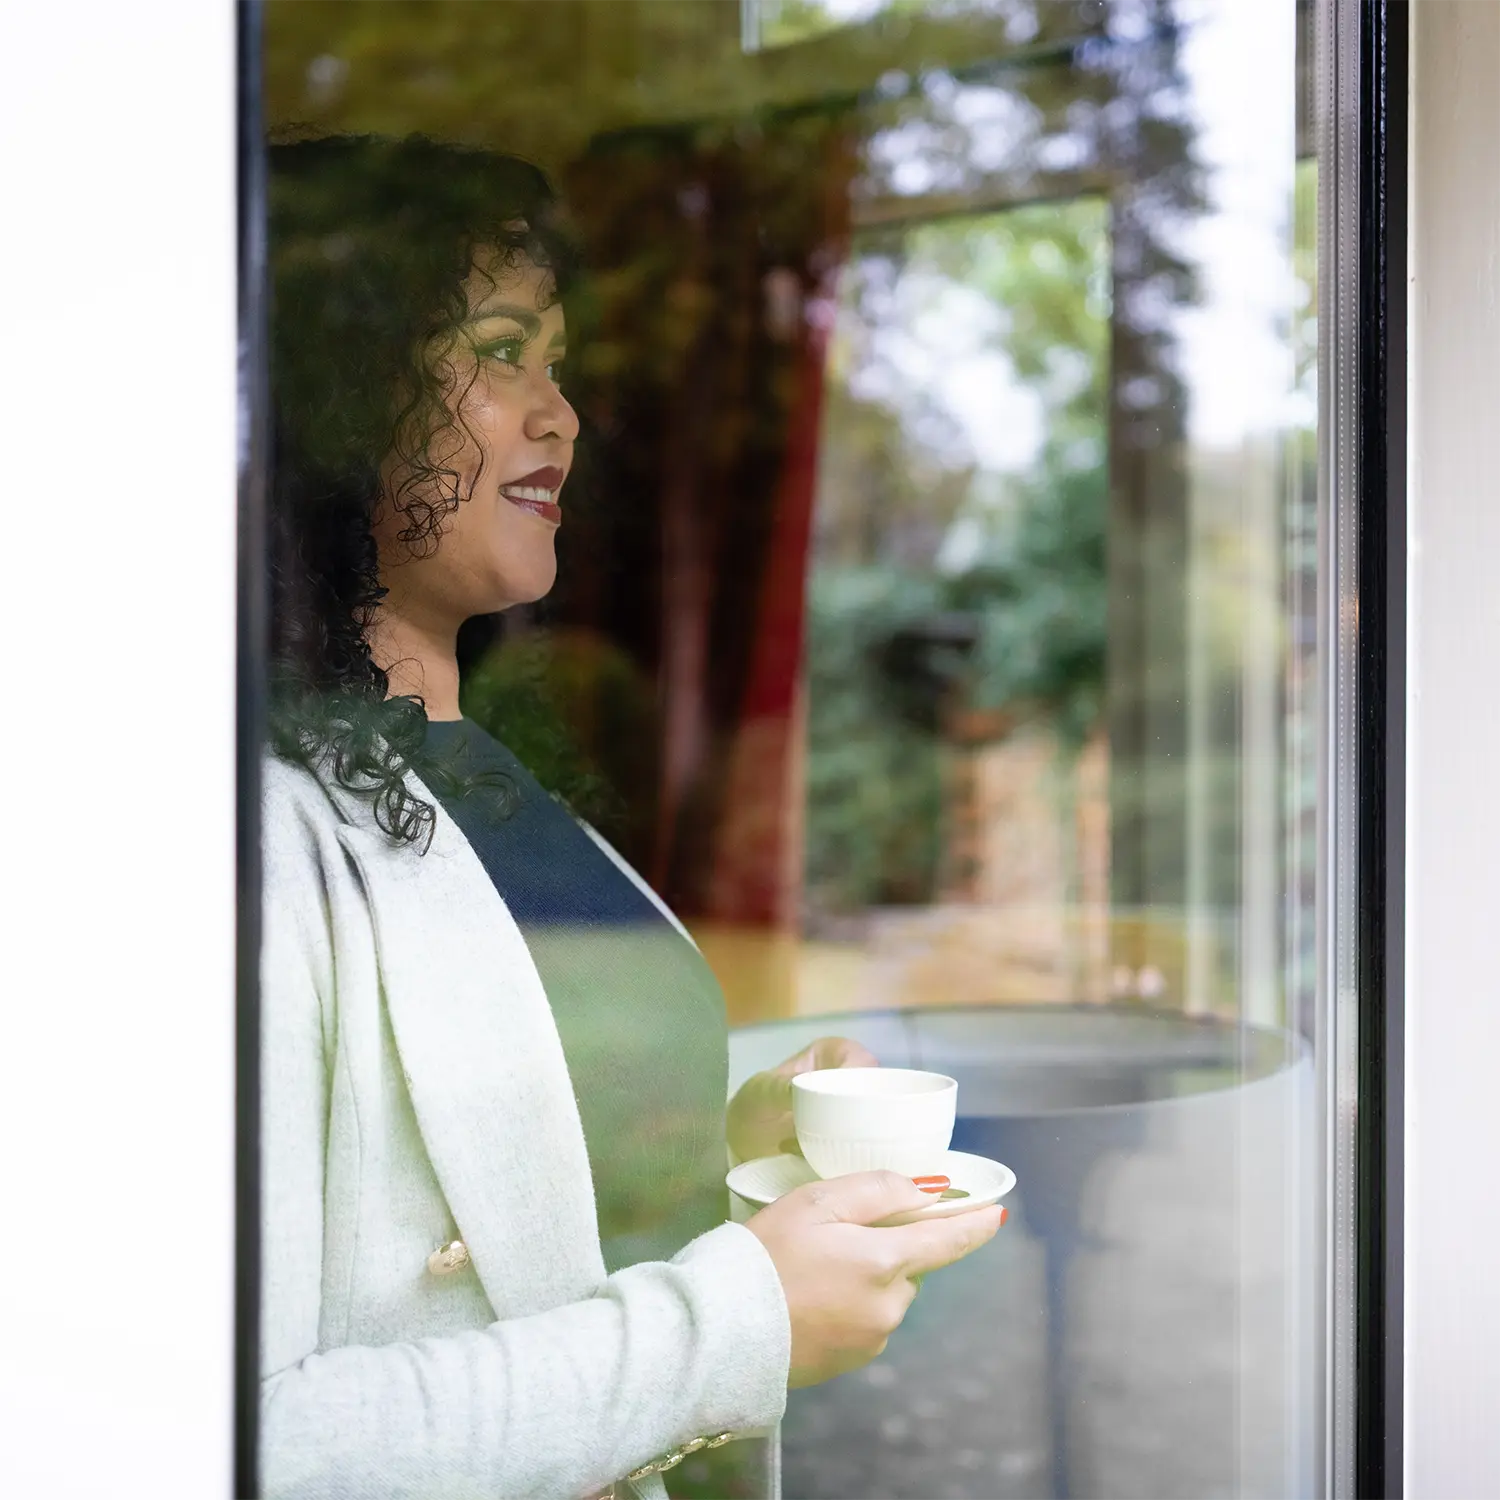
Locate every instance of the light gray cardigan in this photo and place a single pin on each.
(414, 1091)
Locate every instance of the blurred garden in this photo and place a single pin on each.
(909, 636)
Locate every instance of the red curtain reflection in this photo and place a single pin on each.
(702, 374)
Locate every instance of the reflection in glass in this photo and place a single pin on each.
(958, 630)
(935, 632)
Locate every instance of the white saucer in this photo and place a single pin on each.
(765, 1179)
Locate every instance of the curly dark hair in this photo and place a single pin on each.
(371, 240)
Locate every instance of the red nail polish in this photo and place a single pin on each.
(1004, 1215)
(935, 1184)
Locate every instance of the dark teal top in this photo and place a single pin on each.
(640, 1013)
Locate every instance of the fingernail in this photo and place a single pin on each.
(1004, 1215)
(935, 1184)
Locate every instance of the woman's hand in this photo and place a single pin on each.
(848, 1285)
(759, 1121)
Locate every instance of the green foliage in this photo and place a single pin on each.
(568, 705)
(1029, 598)
(1039, 587)
(1041, 602)
(1045, 266)
(875, 781)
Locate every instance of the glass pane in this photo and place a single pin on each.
(958, 613)
(911, 573)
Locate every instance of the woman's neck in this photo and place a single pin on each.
(419, 657)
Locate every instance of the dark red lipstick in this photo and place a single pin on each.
(548, 478)
(535, 491)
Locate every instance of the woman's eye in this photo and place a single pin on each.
(506, 351)
(511, 352)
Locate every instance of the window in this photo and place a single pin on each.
(938, 632)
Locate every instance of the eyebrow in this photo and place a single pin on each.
(530, 323)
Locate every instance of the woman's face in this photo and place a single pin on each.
(511, 447)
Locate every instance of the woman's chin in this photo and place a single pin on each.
(523, 587)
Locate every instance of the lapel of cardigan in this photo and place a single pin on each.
(485, 1068)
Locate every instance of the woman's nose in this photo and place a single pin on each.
(551, 415)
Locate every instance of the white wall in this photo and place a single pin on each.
(116, 775)
(1453, 894)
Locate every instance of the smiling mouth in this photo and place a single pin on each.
(539, 499)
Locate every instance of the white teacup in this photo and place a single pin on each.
(868, 1119)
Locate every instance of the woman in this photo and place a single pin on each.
(494, 1068)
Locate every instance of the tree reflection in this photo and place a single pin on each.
(719, 203)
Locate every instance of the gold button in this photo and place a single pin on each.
(447, 1259)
